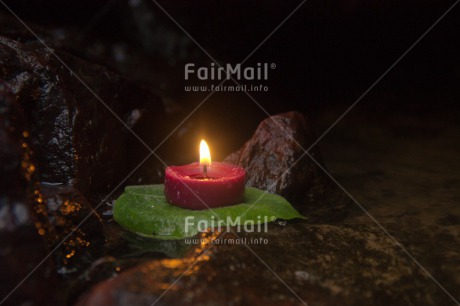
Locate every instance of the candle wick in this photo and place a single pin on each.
(205, 171)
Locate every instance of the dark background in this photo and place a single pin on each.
(327, 56)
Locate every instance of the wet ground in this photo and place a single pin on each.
(403, 168)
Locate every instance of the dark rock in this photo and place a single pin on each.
(275, 161)
(18, 234)
(75, 138)
(12, 134)
(20, 252)
(322, 265)
(38, 217)
(73, 232)
(69, 216)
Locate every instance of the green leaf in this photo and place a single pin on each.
(144, 210)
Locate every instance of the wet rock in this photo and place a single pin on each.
(15, 165)
(322, 265)
(18, 234)
(274, 159)
(12, 142)
(69, 216)
(75, 138)
(38, 217)
(75, 233)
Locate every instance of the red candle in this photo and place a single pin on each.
(215, 184)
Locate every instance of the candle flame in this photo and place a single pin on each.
(205, 155)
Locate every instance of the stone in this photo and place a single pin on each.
(74, 136)
(11, 140)
(322, 265)
(38, 216)
(18, 234)
(65, 215)
(275, 161)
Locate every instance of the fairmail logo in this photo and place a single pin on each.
(259, 225)
(237, 72)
